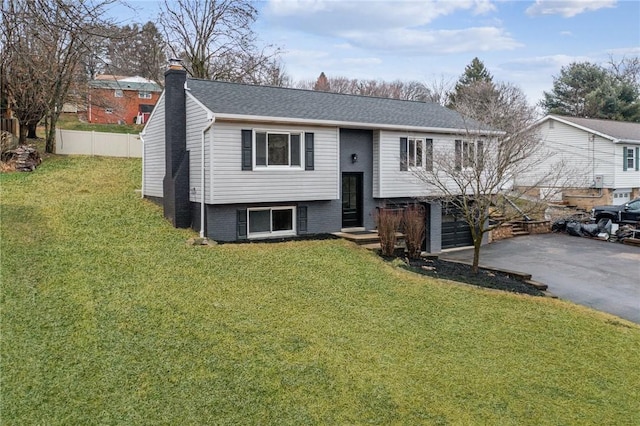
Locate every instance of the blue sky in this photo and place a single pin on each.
(521, 42)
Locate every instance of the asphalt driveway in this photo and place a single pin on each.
(602, 275)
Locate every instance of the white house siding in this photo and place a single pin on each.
(629, 178)
(153, 147)
(196, 122)
(583, 156)
(393, 182)
(233, 185)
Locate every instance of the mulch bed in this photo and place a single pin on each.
(454, 271)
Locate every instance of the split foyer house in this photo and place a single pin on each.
(117, 99)
(604, 155)
(278, 162)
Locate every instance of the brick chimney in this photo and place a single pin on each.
(176, 204)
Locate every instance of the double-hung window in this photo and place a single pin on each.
(469, 154)
(416, 153)
(630, 158)
(271, 221)
(144, 94)
(277, 149)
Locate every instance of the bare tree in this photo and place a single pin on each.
(475, 176)
(216, 40)
(136, 50)
(49, 38)
(410, 91)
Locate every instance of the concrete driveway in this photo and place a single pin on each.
(602, 275)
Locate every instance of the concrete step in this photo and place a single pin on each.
(366, 238)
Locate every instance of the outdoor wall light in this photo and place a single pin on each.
(354, 158)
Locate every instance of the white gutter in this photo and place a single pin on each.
(204, 131)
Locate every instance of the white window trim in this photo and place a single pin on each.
(423, 141)
(147, 94)
(285, 233)
(415, 149)
(630, 159)
(278, 167)
(466, 163)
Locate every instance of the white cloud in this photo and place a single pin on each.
(434, 42)
(566, 33)
(329, 16)
(567, 8)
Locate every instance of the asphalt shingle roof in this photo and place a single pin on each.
(268, 101)
(621, 130)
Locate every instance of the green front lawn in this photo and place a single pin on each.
(109, 317)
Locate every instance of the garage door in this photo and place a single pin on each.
(621, 196)
(455, 232)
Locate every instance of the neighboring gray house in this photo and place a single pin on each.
(280, 162)
(604, 156)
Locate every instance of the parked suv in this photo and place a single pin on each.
(624, 213)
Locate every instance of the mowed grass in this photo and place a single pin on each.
(109, 317)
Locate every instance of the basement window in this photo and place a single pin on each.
(271, 222)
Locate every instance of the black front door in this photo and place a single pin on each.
(351, 200)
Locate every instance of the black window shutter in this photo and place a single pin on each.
(308, 152)
(480, 155)
(302, 219)
(637, 158)
(241, 224)
(624, 158)
(403, 154)
(295, 150)
(458, 158)
(247, 160)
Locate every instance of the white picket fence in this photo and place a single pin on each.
(74, 142)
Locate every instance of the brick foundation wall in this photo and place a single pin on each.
(587, 198)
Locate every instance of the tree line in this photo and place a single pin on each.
(50, 49)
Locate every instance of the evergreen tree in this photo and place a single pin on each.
(475, 73)
(589, 90)
(322, 84)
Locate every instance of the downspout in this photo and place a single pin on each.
(204, 131)
(141, 134)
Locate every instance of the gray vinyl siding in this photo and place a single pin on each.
(392, 181)
(230, 184)
(153, 148)
(196, 122)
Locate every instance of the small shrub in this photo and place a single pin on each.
(387, 221)
(413, 222)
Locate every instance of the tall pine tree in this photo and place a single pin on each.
(474, 73)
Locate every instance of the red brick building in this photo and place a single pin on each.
(118, 99)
